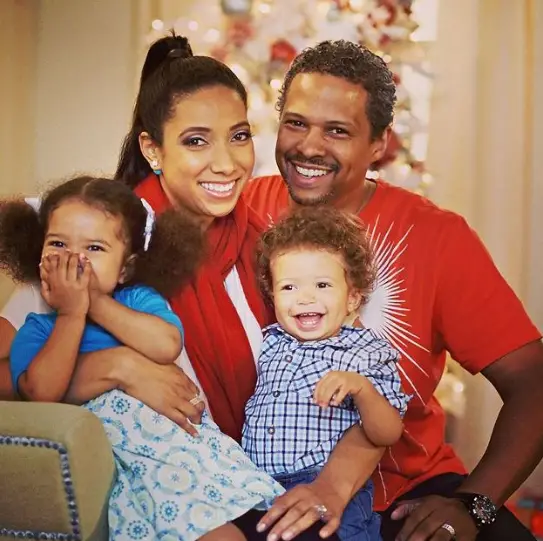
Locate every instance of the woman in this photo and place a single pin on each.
(190, 147)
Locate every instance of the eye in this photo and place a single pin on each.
(56, 244)
(323, 285)
(95, 248)
(195, 141)
(295, 123)
(338, 131)
(243, 136)
(287, 287)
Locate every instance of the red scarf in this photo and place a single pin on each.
(215, 340)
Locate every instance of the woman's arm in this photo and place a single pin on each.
(164, 388)
(147, 334)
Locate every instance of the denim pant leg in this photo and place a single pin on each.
(359, 522)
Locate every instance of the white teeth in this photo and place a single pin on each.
(308, 314)
(311, 172)
(217, 187)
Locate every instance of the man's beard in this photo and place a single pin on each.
(323, 199)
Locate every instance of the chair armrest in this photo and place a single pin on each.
(57, 471)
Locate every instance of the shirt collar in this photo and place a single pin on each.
(346, 338)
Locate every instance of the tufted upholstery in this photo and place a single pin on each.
(56, 472)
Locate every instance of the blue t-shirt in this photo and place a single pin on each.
(37, 328)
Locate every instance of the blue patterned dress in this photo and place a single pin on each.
(169, 485)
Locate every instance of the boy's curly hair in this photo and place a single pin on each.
(174, 253)
(319, 228)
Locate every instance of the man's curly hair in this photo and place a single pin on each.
(356, 64)
(319, 228)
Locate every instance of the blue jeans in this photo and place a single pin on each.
(359, 522)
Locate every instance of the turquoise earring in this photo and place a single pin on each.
(156, 169)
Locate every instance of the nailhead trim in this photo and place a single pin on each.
(67, 481)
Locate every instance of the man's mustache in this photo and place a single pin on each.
(315, 161)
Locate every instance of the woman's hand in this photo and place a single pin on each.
(63, 286)
(165, 389)
(301, 507)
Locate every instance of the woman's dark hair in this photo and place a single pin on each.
(170, 72)
(175, 249)
(319, 228)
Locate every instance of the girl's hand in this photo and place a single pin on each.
(63, 286)
(332, 389)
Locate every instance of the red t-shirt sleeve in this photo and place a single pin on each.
(479, 317)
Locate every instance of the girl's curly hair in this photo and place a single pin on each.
(174, 253)
(319, 228)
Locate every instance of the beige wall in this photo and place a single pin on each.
(485, 151)
(86, 63)
(18, 61)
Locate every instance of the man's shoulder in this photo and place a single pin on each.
(267, 196)
(415, 208)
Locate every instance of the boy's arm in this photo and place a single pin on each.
(150, 327)
(381, 401)
(42, 365)
(382, 422)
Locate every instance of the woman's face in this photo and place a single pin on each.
(207, 154)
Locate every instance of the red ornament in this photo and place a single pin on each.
(282, 51)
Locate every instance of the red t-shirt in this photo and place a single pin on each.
(437, 290)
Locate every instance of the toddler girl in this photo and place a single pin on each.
(103, 263)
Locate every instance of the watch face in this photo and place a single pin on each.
(483, 509)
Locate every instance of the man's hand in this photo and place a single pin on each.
(332, 389)
(298, 509)
(425, 517)
(63, 286)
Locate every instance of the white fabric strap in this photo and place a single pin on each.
(149, 223)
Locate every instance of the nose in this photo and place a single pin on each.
(223, 162)
(312, 144)
(305, 297)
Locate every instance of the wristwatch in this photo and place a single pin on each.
(481, 508)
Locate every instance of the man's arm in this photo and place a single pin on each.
(516, 444)
(350, 465)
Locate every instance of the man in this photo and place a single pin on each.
(437, 290)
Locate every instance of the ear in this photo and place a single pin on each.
(354, 300)
(128, 270)
(379, 146)
(150, 150)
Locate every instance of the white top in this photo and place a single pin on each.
(27, 299)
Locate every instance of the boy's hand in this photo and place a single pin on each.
(63, 285)
(332, 389)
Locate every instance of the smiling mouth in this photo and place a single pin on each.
(219, 189)
(308, 321)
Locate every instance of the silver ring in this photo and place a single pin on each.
(196, 400)
(450, 529)
(321, 510)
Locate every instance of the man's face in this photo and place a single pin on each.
(324, 144)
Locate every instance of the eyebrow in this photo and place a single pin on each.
(341, 123)
(207, 129)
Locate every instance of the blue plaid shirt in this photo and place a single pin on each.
(284, 431)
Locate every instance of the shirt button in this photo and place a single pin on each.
(276, 393)
(271, 430)
(288, 358)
